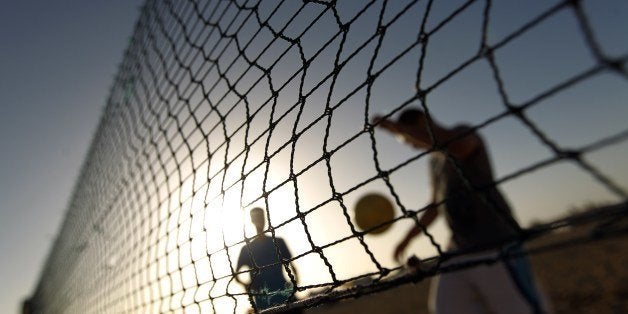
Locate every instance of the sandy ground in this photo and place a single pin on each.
(587, 277)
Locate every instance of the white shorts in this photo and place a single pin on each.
(502, 287)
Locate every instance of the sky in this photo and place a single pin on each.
(59, 62)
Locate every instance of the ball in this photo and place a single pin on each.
(372, 210)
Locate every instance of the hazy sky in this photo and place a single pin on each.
(57, 62)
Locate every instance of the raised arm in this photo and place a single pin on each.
(460, 142)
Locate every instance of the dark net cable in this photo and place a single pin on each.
(222, 106)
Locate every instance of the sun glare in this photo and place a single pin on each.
(219, 223)
(208, 232)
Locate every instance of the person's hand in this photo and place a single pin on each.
(385, 123)
(413, 264)
(246, 285)
(376, 119)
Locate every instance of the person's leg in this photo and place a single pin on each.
(521, 272)
(452, 293)
(499, 290)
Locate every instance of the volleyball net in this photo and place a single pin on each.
(222, 106)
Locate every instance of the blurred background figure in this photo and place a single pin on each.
(265, 257)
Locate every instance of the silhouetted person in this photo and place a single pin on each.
(268, 286)
(478, 216)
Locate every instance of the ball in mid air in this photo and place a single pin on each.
(372, 210)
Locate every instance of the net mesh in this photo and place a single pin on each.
(222, 106)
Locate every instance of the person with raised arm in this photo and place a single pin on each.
(479, 217)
